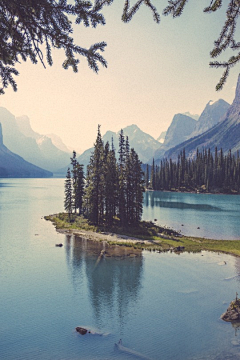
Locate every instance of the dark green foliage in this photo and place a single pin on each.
(121, 178)
(110, 184)
(79, 188)
(74, 176)
(113, 190)
(94, 198)
(153, 176)
(76, 184)
(226, 39)
(205, 173)
(136, 189)
(147, 177)
(68, 200)
(29, 26)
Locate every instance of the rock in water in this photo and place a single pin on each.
(233, 311)
(81, 330)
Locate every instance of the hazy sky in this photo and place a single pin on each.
(154, 71)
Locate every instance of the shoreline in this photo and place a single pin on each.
(194, 192)
(161, 242)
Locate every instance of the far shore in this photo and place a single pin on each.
(153, 238)
(195, 192)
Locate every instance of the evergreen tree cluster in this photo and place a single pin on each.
(206, 172)
(74, 187)
(113, 188)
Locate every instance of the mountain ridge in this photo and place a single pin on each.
(225, 134)
(13, 165)
(33, 147)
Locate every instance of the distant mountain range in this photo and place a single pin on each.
(179, 130)
(145, 145)
(161, 137)
(12, 165)
(218, 125)
(184, 131)
(33, 147)
(225, 134)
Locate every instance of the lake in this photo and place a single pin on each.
(163, 306)
(202, 215)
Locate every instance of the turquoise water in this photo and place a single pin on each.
(164, 306)
(203, 215)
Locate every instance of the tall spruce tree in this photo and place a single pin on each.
(110, 184)
(74, 178)
(94, 200)
(137, 188)
(79, 188)
(121, 179)
(68, 199)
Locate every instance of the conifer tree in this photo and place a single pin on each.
(226, 39)
(79, 188)
(147, 177)
(68, 200)
(207, 171)
(110, 184)
(121, 178)
(74, 177)
(28, 27)
(136, 189)
(95, 182)
(153, 176)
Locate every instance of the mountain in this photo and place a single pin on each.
(161, 137)
(144, 144)
(57, 141)
(23, 124)
(193, 116)
(35, 148)
(180, 129)
(211, 115)
(225, 134)
(12, 165)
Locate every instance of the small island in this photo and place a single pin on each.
(106, 205)
(144, 235)
(233, 311)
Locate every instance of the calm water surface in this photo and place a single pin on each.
(164, 306)
(216, 216)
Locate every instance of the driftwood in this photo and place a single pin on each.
(128, 351)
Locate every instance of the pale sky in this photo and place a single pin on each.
(154, 71)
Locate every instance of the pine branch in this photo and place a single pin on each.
(175, 8)
(128, 11)
(226, 39)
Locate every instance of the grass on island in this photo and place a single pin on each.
(161, 238)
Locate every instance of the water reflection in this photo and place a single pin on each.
(183, 205)
(113, 276)
(165, 200)
(203, 215)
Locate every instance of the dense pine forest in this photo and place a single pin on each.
(208, 172)
(112, 188)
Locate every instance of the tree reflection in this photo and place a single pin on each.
(113, 275)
